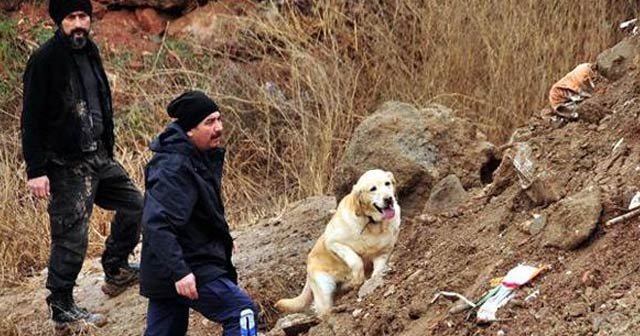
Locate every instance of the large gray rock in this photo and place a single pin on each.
(573, 220)
(419, 146)
(296, 324)
(446, 195)
(613, 63)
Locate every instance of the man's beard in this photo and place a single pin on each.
(78, 38)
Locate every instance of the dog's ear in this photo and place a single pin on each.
(392, 178)
(394, 184)
(356, 201)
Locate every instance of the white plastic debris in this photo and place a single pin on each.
(524, 165)
(500, 295)
(453, 294)
(630, 26)
(628, 23)
(617, 144)
(488, 310)
(635, 201)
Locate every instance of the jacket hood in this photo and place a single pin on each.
(173, 140)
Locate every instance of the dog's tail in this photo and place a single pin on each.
(298, 303)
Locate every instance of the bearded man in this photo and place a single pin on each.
(67, 144)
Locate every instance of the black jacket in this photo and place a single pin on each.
(183, 221)
(55, 121)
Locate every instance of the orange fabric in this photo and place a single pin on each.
(571, 83)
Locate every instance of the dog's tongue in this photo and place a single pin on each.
(388, 213)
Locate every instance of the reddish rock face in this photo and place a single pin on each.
(151, 21)
(214, 23)
(99, 10)
(120, 30)
(159, 4)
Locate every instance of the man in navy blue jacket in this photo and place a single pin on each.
(186, 250)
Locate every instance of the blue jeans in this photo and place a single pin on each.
(220, 300)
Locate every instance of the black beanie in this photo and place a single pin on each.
(59, 9)
(190, 108)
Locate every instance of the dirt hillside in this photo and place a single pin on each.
(590, 289)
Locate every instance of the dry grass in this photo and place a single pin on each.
(300, 84)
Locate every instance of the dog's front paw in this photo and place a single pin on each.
(355, 282)
(369, 286)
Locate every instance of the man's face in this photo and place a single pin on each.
(75, 27)
(208, 134)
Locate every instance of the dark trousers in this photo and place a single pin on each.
(219, 300)
(75, 187)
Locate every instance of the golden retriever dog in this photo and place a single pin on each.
(362, 232)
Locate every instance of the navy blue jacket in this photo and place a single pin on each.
(185, 230)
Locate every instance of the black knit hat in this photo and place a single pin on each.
(190, 108)
(59, 9)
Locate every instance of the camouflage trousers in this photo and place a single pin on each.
(75, 187)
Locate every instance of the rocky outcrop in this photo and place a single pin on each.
(574, 220)
(446, 195)
(613, 63)
(151, 21)
(419, 145)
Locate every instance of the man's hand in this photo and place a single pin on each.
(187, 287)
(39, 186)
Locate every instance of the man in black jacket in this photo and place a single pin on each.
(186, 250)
(67, 143)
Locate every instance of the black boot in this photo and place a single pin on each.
(65, 313)
(119, 279)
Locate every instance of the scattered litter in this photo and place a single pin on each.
(495, 282)
(631, 214)
(453, 294)
(572, 89)
(635, 201)
(628, 23)
(630, 26)
(500, 295)
(537, 186)
(524, 165)
(502, 290)
(617, 144)
(633, 211)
